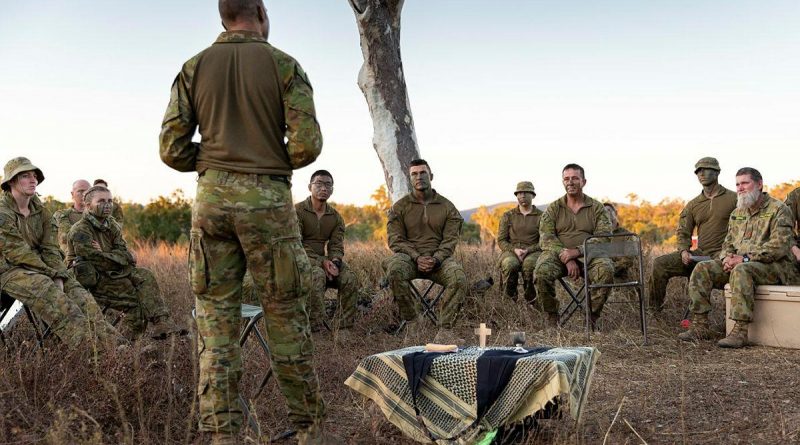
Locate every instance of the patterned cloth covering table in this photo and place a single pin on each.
(445, 409)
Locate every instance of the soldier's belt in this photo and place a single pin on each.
(216, 174)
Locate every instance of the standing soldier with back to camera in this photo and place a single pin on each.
(254, 107)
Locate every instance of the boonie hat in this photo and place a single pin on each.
(707, 162)
(17, 166)
(525, 186)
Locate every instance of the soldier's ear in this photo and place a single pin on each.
(309, 187)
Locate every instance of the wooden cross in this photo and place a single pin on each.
(482, 332)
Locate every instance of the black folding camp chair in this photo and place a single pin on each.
(10, 310)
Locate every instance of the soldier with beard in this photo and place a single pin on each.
(708, 214)
(756, 251)
(103, 264)
(64, 219)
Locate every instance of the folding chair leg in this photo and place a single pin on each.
(251, 421)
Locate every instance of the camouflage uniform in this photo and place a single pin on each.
(243, 215)
(64, 219)
(561, 229)
(518, 231)
(29, 262)
(793, 202)
(323, 239)
(710, 217)
(416, 229)
(625, 267)
(765, 237)
(111, 275)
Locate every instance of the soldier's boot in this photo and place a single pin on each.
(593, 320)
(552, 320)
(698, 330)
(164, 327)
(737, 338)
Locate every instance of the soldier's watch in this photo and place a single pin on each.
(745, 258)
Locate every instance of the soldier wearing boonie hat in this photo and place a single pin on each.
(518, 239)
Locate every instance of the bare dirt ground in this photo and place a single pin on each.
(663, 392)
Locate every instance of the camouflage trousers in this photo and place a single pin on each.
(549, 268)
(247, 221)
(743, 280)
(137, 295)
(347, 286)
(73, 315)
(511, 267)
(401, 269)
(666, 267)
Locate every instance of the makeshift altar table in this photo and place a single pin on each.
(462, 395)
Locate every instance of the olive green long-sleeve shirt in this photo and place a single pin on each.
(28, 242)
(419, 229)
(246, 96)
(113, 255)
(323, 237)
(64, 219)
(765, 236)
(793, 202)
(518, 231)
(710, 217)
(561, 228)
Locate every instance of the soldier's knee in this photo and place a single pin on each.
(399, 268)
(547, 271)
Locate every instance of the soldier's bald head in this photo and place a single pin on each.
(232, 11)
(80, 184)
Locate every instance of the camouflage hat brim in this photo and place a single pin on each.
(21, 167)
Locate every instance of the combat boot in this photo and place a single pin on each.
(737, 338)
(164, 327)
(698, 330)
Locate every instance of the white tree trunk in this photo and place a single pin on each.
(383, 84)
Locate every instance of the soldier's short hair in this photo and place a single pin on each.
(87, 197)
(574, 167)
(610, 206)
(99, 181)
(417, 162)
(320, 173)
(755, 175)
(234, 10)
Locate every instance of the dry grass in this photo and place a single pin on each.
(665, 392)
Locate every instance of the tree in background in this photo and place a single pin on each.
(166, 218)
(489, 221)
(654, 223)
(382, 81)
(781, 190)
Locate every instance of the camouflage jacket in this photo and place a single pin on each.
(793, 202)
(765, 236)
(29, 242)
(419, 229)
(710, 217)
(113, 256)
(561, 228)
(323, 238)
(64, 219)
(518, 231)
(241, 134)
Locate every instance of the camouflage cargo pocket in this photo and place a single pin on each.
(86, 274)
(198, 273)
(287, 255)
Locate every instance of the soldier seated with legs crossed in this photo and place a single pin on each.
(756, 251)
(518, 238)
(104, 265)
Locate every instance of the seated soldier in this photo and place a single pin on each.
(322, 229)
(707, 213)
(31, 266)
(793, 202)
(624, 267)
(423, 230)
(518, 238)
(65, 218)
(564, 227)
(103, 264)
(756, 251)
(117, 212)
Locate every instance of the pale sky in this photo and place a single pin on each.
(501, 91)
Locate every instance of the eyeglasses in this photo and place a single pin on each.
(319, 184)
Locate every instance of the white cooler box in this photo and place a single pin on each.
(776, 316)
